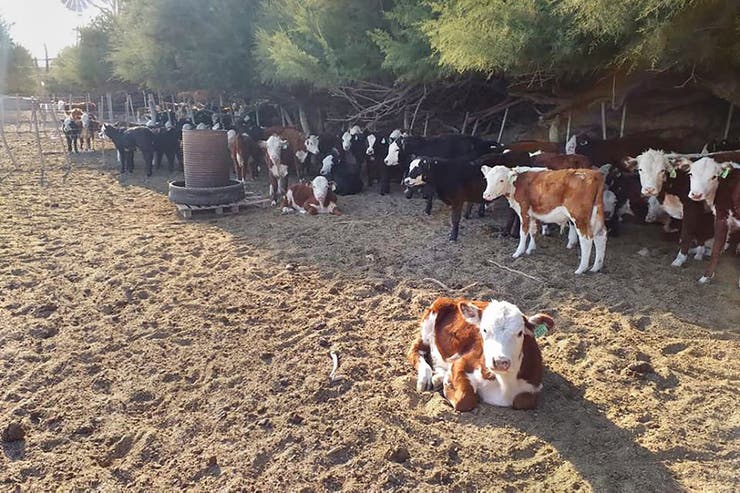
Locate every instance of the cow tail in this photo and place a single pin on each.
(597, 222)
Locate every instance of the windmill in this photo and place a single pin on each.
(109, 7)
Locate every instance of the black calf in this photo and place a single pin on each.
(127, 141)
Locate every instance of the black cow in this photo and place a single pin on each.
(167, 143)
(343, 170)
(453, 181)
(71, 129)
(406, 148)
(127, 141)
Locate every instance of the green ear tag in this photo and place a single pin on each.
(672, 173)
(725, 173)
(540, 330)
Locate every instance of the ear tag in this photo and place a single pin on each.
(725, 173)
(540, 330)
(672, 173)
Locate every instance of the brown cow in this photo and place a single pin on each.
(560, 196)
(313, 198)
(296, 146)
(244, 153)
(553, 160)
(480, 351)
(534, 146)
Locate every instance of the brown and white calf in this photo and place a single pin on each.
(313, 198)
(480, 351)
(664, 177)
(275, 153)
(296, 146)
(558, 196)
(717, 184)
(244, 153)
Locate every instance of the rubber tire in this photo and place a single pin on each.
(179, 194)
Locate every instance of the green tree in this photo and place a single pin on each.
(85, 66)
(185, 44)
(17, 67)
(321, 43)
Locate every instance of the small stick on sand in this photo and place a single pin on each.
(514, 271)
(334, 365)
(446, 287)
(438, 283)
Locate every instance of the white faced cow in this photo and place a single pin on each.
(273, 148)
(718, 185)
(557, 196)
(480, 351)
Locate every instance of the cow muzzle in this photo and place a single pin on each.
(649, 192)
(696, 196)
(500, 365)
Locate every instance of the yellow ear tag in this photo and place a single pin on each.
(672, 173)
(540, 330)
(725, 173)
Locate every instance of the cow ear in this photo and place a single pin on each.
(485, 169)
(469, 312)
(630, 163)
(539, 324)
(605, 169)
(333, 186)
(262, 144)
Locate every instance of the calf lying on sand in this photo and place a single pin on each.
(313, 198)
(479, 350)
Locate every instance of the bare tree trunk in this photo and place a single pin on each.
(303, 117)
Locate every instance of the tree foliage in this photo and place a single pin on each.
(185, 44)
(318, 42)
(17, 69)
(85, 66)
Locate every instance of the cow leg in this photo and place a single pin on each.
(600, 243)
(69, 143)
(158, 158)
(721, 230)
(468, 210)
(458, 389)
(572, 236)
(273, 189)
(523, 234)
(687, 231)
(482, 209)
(455, 213)
(385, 179)
(149, 161)
(74, 141)
(130, 158)
(532, 233)
(586, 244)
(428, 206)
(122, 160)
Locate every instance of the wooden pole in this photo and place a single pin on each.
(101, 108)
(127, 115)
(475, 126)
(426, 124)
(503, 124)
(488, 127)
(603, 120)
(35, 120)
(465, 122)
(729, 121)
(567, 129)
(624, 117)
(405, 119)
(282, 115)
(87, 103)
(17, 113)
(257, 115)
(109, 96)
(2, 134)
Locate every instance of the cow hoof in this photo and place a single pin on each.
(273, 203)
(287, 210)
(580, 271)
(452, 239)
(438, 380)
(516, 255)
(424, 378)
(595, 268)
(704, 280)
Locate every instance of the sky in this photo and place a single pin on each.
(35, 22)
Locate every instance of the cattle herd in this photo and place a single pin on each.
(478, 351)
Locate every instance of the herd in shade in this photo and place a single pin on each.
(477, 351)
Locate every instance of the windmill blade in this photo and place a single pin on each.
(78, 6)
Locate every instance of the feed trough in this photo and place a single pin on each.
(207, 164)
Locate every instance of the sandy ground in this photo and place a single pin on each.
(145, 352)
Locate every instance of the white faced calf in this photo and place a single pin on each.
(558, 196)
(480, 351)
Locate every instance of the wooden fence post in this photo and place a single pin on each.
(729, 121)
(503, 124)
(603, 120)
(624, 118)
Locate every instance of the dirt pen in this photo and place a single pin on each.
(143, 351)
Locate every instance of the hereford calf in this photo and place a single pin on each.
(718, 185)
(244, 153)
(480, 351)
(296, 146)
(315, 198)
(560, 196)
(275, 155)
